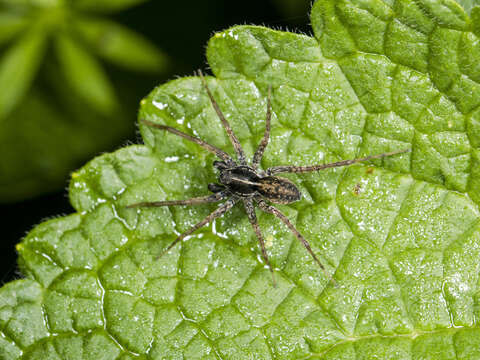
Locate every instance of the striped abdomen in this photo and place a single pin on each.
(278, 190)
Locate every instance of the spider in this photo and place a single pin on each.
(241, 181)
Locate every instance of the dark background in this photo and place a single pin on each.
(181, 29)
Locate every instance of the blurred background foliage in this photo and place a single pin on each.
(72, 74)
(59, 104)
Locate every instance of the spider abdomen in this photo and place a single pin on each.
(278, 190)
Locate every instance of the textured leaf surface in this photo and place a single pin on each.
(402, 235)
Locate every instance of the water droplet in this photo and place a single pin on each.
(159, 105)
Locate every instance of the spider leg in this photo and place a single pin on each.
(233, 139)
(213, 149)
(193, 201)
(273, 210)
(249, 208)
(227, 205)
(257, 157)
(309, 168)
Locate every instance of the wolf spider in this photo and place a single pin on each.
(239, 181)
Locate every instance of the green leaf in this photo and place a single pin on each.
(68, 116)
(121, 46)
(106, 5)
(85, 75)
(25, 137)
(10, 25)
(401, 235)
(31, 136)
(32, 3)
(18, 67)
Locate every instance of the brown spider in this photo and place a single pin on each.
(241, 181)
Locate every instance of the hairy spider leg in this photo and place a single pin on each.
(233, 139)
(227, 205)
(257, 157)
(193, 201)
(309, 168)
(273, 210)
(213, 149)
(250, 209)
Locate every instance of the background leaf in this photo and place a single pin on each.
(106, 5)
(82, 103)
(18, 68)
(401, 235)
(49, 145)
(85, 75)
(121, 46)
(32, 3)
(10, 25)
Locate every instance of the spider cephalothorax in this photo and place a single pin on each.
(240, 181)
